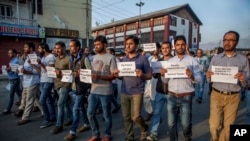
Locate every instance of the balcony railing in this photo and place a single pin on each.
(14, 20)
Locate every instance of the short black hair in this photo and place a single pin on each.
(13, 51)
(180, 37)
(167, 42)
(31, 45)
(61, 43)
(134, 38)
(44, 46)
(101, 39)
(111, 50)
(77, 43)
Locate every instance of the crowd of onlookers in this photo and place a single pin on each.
(62, 94)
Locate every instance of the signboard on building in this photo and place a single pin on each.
(56, 32)
(19, 30)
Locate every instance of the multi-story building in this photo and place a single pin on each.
(42, 21)
(156, 26)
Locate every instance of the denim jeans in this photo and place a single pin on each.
(14, 87)
(105, 101)
(114, 97)
(248, 107)
(199, 87)
(62, 101)
(179, 107)
(46, 101)
(158, 104)
(78, 105)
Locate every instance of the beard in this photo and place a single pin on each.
(41, 53)
(100, 50)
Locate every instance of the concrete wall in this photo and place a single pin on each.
(66, 14)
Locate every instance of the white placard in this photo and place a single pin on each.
(224, 74)
(20, 67)
(156, 66)
(149, 47)
(51, 72)
(4, 71)
(126, 68)
(33, 58)
(67, 76)
(85, 76)
(176, 70)
(14, 67)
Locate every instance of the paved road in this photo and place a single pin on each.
(10, 131)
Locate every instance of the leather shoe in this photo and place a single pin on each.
(23, 121)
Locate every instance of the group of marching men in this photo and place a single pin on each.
(175, 93)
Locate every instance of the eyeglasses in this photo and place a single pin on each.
(229, 40)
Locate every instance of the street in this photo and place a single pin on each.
(10, 131)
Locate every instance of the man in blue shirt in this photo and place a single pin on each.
(133, 89)
(14, 81)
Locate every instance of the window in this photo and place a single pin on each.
(182, 21)
(194, 40)
(173, 21)
(5, 11)
(39, 7)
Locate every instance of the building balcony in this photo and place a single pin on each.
(14, 20)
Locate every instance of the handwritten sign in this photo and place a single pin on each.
(224, 74)
(67, 76)
(156, 66)
(126, 68)
(149, 47)
(4, 67)
(51, 72)
(14, 67)
(20, 67)
(85, 76)
(33, 58)
(175, 70)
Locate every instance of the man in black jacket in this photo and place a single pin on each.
(79, 89)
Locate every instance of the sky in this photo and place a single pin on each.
(217, 16)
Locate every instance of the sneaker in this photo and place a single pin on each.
(70, 137)
(22, 121)
(116, 109)
(68, 123)
(5, 112)
(143, 136)
(94, 138)
(106, 138)
(83, 128)
(18, 113)
(46, 124)
(57, 129)
(152, 137)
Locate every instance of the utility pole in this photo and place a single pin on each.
(140, 4)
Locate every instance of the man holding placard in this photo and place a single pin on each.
(133, 85)
(182, 71)
(31, 81)
(79, 89)
(62, 63)
(14, 80)
(103, 66)
(228, 72)
(46, 85)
